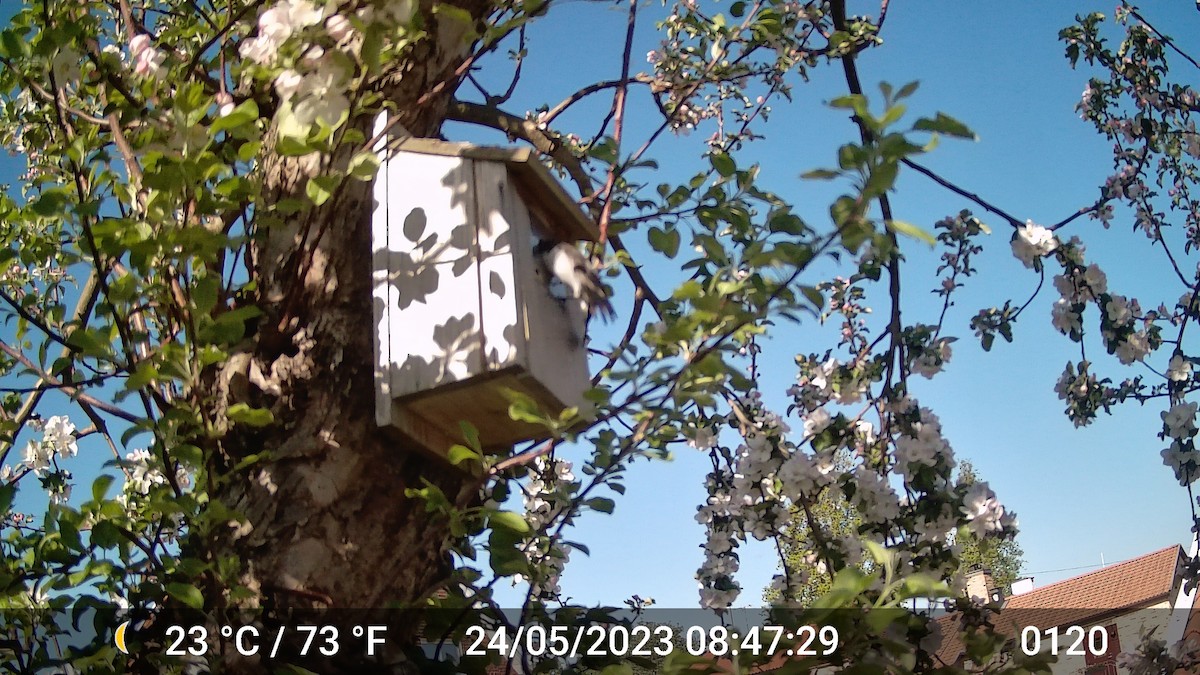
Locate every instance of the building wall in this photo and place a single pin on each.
(1131, 626)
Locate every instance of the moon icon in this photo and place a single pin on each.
(119, 637)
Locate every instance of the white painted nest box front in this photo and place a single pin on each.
(462, 305)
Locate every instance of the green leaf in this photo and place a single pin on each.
(241, 413)
(855, 102)
(461, 453)
(522, 408)
(49, 203)
(910, 230)
(601, 504)
(814, 296)
(945, 124)
(13, 45)
(104, 534)
(230, 327)
(364, 165)
(244, 113)
(883, 177)
(471, 434)
(892, 114)
(508, 520)
(248, 150)
(907, 90)
(923, 586)
(321, 188)
(291, 146)
(99, 487)
(187, 594)
(7, 492)
(723, 163)
(882, 555)
(664, 241)
(204, 293)
(820, 174)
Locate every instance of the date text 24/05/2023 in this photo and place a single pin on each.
(660, 640)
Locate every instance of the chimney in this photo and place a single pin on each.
(1022, 586)
(981, 588)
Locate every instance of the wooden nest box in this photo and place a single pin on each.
(462, 305)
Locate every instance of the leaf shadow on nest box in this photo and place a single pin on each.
(462, 308)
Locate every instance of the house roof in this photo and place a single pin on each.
(1134, 583)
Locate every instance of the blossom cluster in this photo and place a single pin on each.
(701, 70)
(1179, 426)
(144, 473)
(756, 489)
(548, 499)
(276, 26)
(311, 53)
(58, 441)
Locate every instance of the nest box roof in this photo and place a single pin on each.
(540, 190)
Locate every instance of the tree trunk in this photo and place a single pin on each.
(327, 522)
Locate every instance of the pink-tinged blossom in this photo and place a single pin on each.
(276, 25)
(1191, 144)
(924, 446)
(147, 60)
(339, 28)
(1032, 241)
(286, 84)
(1104, 214)
(1085, 101)
(224, 103)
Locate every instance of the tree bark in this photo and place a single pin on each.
(327, 521)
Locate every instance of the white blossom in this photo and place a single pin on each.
(58, 440)
(1179, 369)
(1117, 309)
(984, 512)
(1180, 420)
(1178, 459)
(703, 438)
(322, 95)
(1135, 347)
(932, 359)
(339, 28)
(65, 66)
(276, 25)
(1032, 241)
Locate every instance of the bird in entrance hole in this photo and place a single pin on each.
(566, 266)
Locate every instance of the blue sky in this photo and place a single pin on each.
(998, 66)
(1082, 495)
